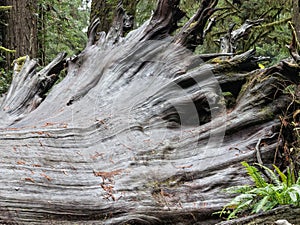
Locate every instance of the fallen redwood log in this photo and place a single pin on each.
(138, 132)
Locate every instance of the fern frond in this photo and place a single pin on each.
(298, 180)
(239, 208)
(274, 178)
(240, 198)
(260, 206)
(290, 177)
(293, 196)
(296, 189)
(255, 175)
(281, 174)
(259, 191)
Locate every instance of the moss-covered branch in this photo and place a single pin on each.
(4, 8)
(276, 23)
(7, 50)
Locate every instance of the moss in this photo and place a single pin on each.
(227, 94)
(217, 60)
(19, 62)
(4, 8)
(7, 50)
(245, 87)
(267, 113)
(229, 99)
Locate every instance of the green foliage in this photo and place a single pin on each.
(5, 80)
(143, 11)
(62, 27)
(282, 189)
(269, 39)
(5, 77)
(3, 49)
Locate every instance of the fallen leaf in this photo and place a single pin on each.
(107, 175)
(20, 162)
(29, 179)
(36, 165)
(47, 177)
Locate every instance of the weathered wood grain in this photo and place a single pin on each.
(138, 132)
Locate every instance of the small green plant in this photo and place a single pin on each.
(282, 189)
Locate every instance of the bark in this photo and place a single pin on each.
(2, 26)
(42, 33)
(21, 32)
(103, 11)
(138, 132)
(296, 17)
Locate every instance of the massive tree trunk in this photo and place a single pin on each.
(138, 132)
(103, 10)
(296, 17)
(21, 31)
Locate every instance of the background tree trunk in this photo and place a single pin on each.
(296, 17)
(21, 32)
(104, 11)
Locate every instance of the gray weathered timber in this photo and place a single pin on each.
(138, 132)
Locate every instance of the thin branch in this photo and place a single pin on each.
(233, 6)
(206, 57)
(211, 23)
(276, 23)
(228, 42)
(294, 46)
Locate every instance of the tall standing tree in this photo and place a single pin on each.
(296, 17)
(103, 10)
(21, 30)
(3, 12)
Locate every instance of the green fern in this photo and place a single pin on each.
(283, 189)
